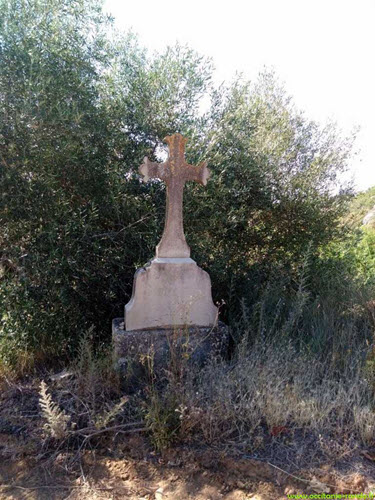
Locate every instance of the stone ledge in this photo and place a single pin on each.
(196, 344)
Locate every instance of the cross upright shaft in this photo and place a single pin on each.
(174, 172)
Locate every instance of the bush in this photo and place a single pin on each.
(79, 108)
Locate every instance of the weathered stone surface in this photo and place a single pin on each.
(174, 172)
(194, 344)
(170, 292)
(171, 313)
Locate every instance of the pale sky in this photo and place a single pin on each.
(323, 50)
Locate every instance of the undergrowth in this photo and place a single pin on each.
(273, 389)
(301, 364)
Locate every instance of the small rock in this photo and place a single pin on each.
(61, 375)
(159, 495)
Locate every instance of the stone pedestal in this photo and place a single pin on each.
(170, 293)
(194, 345)
(171, 313)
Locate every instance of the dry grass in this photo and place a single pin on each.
(269, 392)
(275, 391)
(262, 394)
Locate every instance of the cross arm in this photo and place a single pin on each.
(151, 170)
(199, 174)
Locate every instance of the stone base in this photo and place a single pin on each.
(168, 293)
(192, 344)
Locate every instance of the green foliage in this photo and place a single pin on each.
(365, 255)
(352, 257)
(273, 177)
(161, 417)
(80, 106)
(323, 309)
(74, 125)
(359, 207)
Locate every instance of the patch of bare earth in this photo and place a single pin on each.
(196, 475)
(125, 466)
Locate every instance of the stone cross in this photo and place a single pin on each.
(171, 290)
(174, 172)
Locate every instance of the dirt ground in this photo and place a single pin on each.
(127, 467)
(199, 476)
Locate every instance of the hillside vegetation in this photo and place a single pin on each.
(359, 207)
(80, 107)
(277, 229)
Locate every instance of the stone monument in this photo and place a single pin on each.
(170, 293)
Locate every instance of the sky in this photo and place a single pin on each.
(323, 51)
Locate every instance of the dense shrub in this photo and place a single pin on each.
(79, 108)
